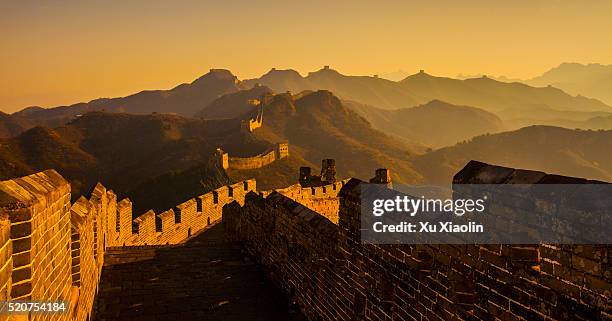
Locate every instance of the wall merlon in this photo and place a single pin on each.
(166, 221)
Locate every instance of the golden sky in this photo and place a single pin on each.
(64, 51)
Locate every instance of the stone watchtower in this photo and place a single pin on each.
(305, 174)
(382, 176)
(222, 158)
(328, 170)
(282, 150)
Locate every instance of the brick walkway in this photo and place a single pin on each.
(208, 278)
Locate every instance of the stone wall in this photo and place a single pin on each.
(325, 269)
(281, 150)
(38, 209)
(6, 261)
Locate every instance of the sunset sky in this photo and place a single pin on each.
(63, 52)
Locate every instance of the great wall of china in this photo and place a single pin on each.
(306, 237)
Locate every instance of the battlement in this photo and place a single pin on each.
(322, 199)
(176, 225)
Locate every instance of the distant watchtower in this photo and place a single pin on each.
(282, 150)
(222, 158)
(326, 67)
(382, 176)
(328, 170)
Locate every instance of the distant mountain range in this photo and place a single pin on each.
(590, 80)
(434, 124)
(420, 88)
(193, 99)
(184, 99)
(568, 152)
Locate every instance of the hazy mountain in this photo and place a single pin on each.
(543, 115)
(234, 104)
(592, 80)
(185, 99)
(420, 88)
(369, 90)
(551, 149)
(494, 96)
(498, 78)
(13, 125)
(317, 125)
(435, 124)
(394, 75)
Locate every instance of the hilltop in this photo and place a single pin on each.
(234, 104)
(11, 125)
(569, 152)
(435, 124)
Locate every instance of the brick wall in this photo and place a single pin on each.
(6, 261)
(85, 272)
(332, 276)
(38, 209)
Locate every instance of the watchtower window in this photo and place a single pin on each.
(215, 197)
(246, 185)
(177, 215)
(230, 192)
(199, 204)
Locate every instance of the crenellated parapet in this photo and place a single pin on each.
(322, 199)
(177, 224)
